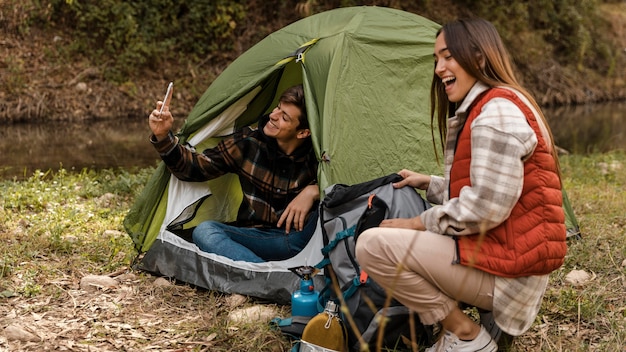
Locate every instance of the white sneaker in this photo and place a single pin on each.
(449, 342)
(487, 320)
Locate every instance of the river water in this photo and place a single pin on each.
(26, 148)
(51, 146)
(590, 128)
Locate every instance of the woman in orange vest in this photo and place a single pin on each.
(496, 230)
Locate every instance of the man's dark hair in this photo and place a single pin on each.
(295, 95)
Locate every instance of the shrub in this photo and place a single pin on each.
(122, 36)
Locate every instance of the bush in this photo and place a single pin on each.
(573, 30)
(123, 36)
(571, 38)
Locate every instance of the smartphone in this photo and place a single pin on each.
(168, 94)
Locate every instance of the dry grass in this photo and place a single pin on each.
(57, 228)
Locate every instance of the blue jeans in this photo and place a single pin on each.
(250, 244)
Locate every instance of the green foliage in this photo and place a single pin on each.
(573, 30)
(510, 17)
(569, 27)
(17, 16)
(123, 36)
(126, 37)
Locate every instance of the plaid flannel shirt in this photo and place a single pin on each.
(269, 178)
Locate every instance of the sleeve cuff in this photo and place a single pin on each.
(166, 145)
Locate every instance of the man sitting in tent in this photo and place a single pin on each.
(277, 169)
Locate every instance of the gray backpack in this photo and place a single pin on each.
(344, 213)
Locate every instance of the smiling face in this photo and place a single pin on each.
(456, 80)
(284, 124)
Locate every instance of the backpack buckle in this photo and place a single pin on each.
(363, 277)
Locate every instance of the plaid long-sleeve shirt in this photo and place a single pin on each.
(501, 140)
(269, 178)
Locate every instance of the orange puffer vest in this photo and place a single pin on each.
(532, 240)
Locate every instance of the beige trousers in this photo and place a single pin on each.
(427, 282)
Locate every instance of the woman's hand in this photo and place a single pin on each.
(413, 179)
(414, 223)
(296, 212)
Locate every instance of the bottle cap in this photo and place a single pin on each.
(331, 307)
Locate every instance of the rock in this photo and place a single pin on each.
(257, 313)
(81, 86)
(70, 238)
(126, 277)
(93, 283)
(161, 282)
(114, 233)
(578, 277)
(107, 200)
(18, 333)
(236, 300)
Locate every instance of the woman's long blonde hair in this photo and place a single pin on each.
(477, 47)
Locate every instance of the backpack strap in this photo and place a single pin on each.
(292, 327)
(361, 278)
(341, 194)
(349, 232)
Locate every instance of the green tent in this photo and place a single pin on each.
(366, 73)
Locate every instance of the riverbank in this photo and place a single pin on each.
(40, 81)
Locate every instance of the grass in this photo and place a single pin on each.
(57, 227)
(590, 317)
